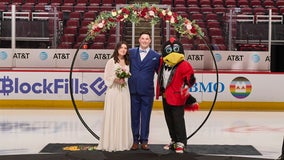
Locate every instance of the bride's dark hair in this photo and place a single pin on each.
(115, 53)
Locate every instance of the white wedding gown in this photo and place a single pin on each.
(116, 133)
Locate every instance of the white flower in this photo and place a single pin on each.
(100, 25)
(170, 13)
(172, 19)
(125, 16)
(152, 13)
(188, 26)
(164, 12)
(113, 13)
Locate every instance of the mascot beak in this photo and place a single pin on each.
(173, 59)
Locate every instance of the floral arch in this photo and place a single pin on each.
(136, 12)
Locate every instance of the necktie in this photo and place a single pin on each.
(142, 51)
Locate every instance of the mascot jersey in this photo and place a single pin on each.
(175, 74)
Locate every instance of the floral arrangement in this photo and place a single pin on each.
(121, 73)
(136, 12)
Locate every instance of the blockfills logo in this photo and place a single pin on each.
(240, 87)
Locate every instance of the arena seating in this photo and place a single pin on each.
(77, 14)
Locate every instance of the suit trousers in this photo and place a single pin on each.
(141, 109)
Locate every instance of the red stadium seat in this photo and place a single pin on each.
(217, 40)
(75, 15)
(68, 38)
(197, 16)
(90, 15)
(107, 3)
(18, 8)
(95, 2)
(70, 30)
(100, 38)
(201, 24)
(168, 2)
(279, 4)
(31, 2)
(215, 32)
(246, 10)
(205, 3)
(211, 17)
(27, 7)
(97, 45)
(179, 3)
(39, 7)
(217, 3)
(180, 8)
(67, 8)
(213, 24)
(56, 2)
(112, 38)
(43, 1)
(274, 10)
(193, 9)
(5, 2)
(259, 11)
(281, 10)
(191, 3)
(72, 23)
(110, 45)
(82, 2)
(230, 3)
(268, 3)
(85, 23)
(182, 13)
(243, 3)
(17, 2)
(255, 3)
(220, 10)
(83, 31)
(3, 7)
(206, 9)
(120, 1)
(69, 2)
(81, 38)
(80, 8)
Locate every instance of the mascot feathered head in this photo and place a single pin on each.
(172, 52)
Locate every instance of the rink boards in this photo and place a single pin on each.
(51, 89)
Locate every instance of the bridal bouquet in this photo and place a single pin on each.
(121, 73)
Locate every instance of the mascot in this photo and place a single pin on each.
(175, 77)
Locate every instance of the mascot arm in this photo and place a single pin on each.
(189, 78)
(192, 80)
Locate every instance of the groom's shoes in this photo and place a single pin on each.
(145, 146)
(134, 146)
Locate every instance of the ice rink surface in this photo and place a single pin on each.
(29, 131)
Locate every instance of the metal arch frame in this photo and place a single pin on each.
(95, 135)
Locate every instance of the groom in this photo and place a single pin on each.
(144, 62)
